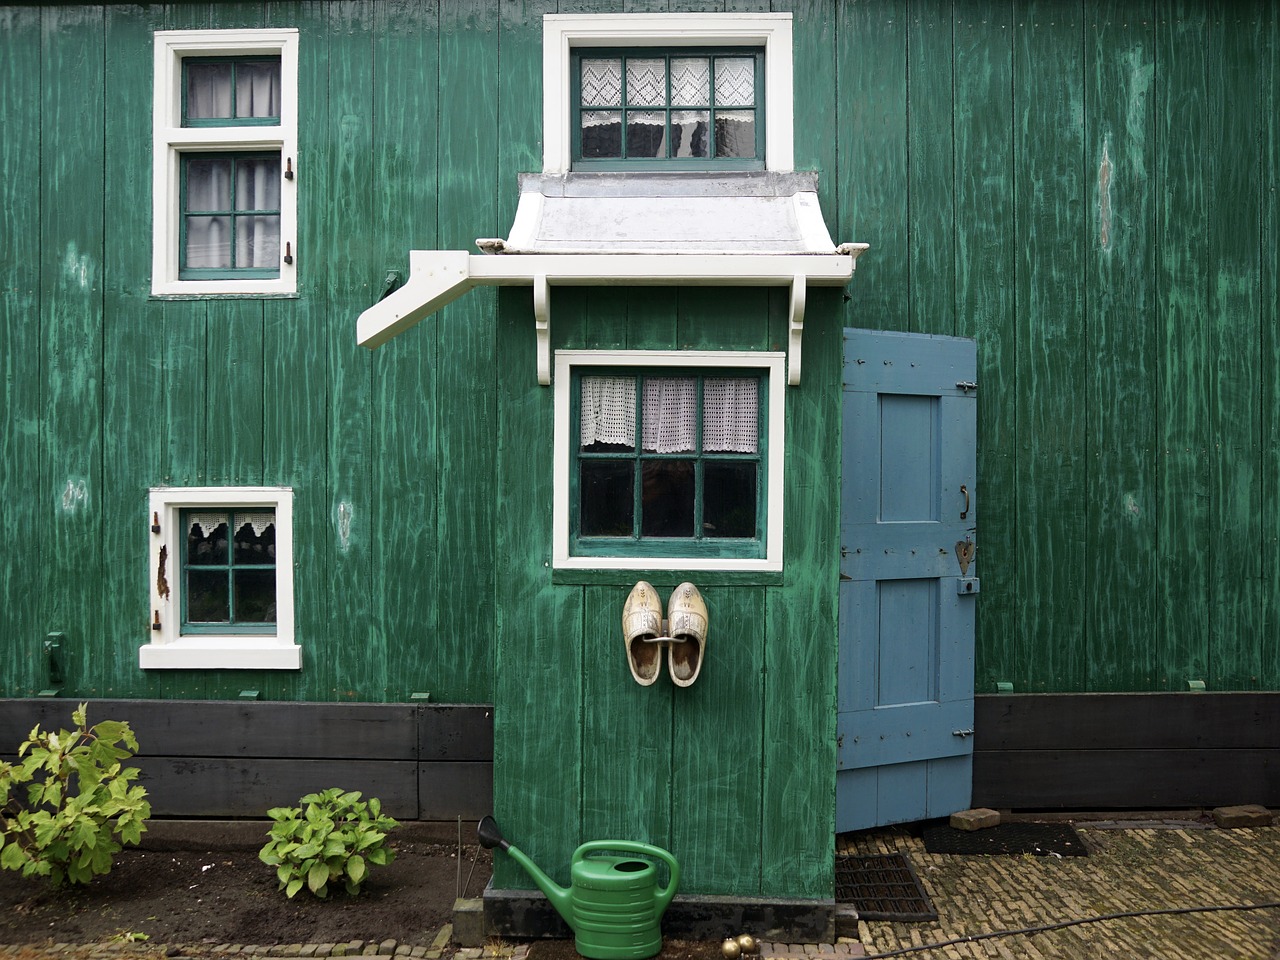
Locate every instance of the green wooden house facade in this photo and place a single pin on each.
(1087, 189)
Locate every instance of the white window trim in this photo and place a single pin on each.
(170, 140)
(774, 367)
(562, 33)
(168, 648)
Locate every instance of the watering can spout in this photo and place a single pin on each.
(557, 896)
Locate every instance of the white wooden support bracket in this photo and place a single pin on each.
(795, 327)
(542, 326)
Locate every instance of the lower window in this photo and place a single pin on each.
(668, 460)
(222, 579)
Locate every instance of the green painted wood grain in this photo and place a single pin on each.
(1050, 402)
(406, 406)
(1270, 297)
(22, 664)
(1121, 439)
(930, 186)
(627, 732)
(1236, 52)
(985, 303)
(798, 755)
(352, 284)
(235, 392)
(1183, 130)
(70, 322)
(133, 376)
(872, 139)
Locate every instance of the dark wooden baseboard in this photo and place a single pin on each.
(223, 759)
(1126, 750)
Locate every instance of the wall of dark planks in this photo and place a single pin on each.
(1086, 187)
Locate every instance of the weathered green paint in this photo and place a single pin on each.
(1086, 187)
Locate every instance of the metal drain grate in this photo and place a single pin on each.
(882, 888)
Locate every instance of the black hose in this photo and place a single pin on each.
(1062, 924)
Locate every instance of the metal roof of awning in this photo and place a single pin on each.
(752, 229)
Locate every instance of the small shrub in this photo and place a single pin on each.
(333, 836)
(67, 805)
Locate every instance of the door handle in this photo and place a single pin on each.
(964, 514)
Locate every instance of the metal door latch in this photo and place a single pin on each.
(966, 385)
(962, 733)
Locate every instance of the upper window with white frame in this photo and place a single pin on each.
(225, 137)
(668, 459)
(685, 108)
(221, 579)
(667, 91)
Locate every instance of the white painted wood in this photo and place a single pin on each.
(167, 648)
(771, 362)
(170, 139)
(542, 327)
(561, 33)
(795, 329)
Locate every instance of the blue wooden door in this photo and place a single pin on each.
(908, 581)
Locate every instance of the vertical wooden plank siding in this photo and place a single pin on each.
(1049, 145)
(22, 662)
(1121, 441)
(1182, 129)
(985, 178)
(133, 380)
(1270, 93)
(71, 145)
(1236, 52)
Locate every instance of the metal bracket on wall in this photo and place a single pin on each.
(53, 657)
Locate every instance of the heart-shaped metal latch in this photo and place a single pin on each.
(965, 549)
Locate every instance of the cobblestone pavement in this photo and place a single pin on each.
(1151, 868)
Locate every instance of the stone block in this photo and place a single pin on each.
(978, 819)
(468, 922)
(1246, 815)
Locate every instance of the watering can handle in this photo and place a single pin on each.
(646, 849)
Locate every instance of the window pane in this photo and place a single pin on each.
(602, 83)
(607, 504)
(258, 242)
(690, 133)
(667, 498)
(736, 133)
(730, 415)
(690, 81)
(258, 183)
(255, 596)
(208, 90)
(646, 133)
(258, 89)
(646, 82)
(208, 242)
(208, 599)
(729, 499)
(735, 82)
(208, 183)
(670, 415)
(601, 134)
(207, 539)
(607, 413)
(255, 538)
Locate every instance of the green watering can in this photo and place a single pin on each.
(613, 904)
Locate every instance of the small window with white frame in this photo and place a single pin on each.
(225, 157)
(222, 579)
(668, 459)
(667, 91)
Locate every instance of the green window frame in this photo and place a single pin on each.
(225, 581)
(240, 74)
(645, 118)
(244, 224)
(618, 507)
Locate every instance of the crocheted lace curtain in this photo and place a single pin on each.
(669, 414)
(208, 522)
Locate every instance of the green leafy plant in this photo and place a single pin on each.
(334, 836)
(68, 805)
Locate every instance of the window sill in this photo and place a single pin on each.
(224, 296)
(704, 578)
(219, 653)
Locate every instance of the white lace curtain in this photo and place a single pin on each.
(208, 522)
(209, 86)
(669, 411)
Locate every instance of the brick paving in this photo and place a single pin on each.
(1135, 869)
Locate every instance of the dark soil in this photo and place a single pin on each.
(227, 895)
(671, 950)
